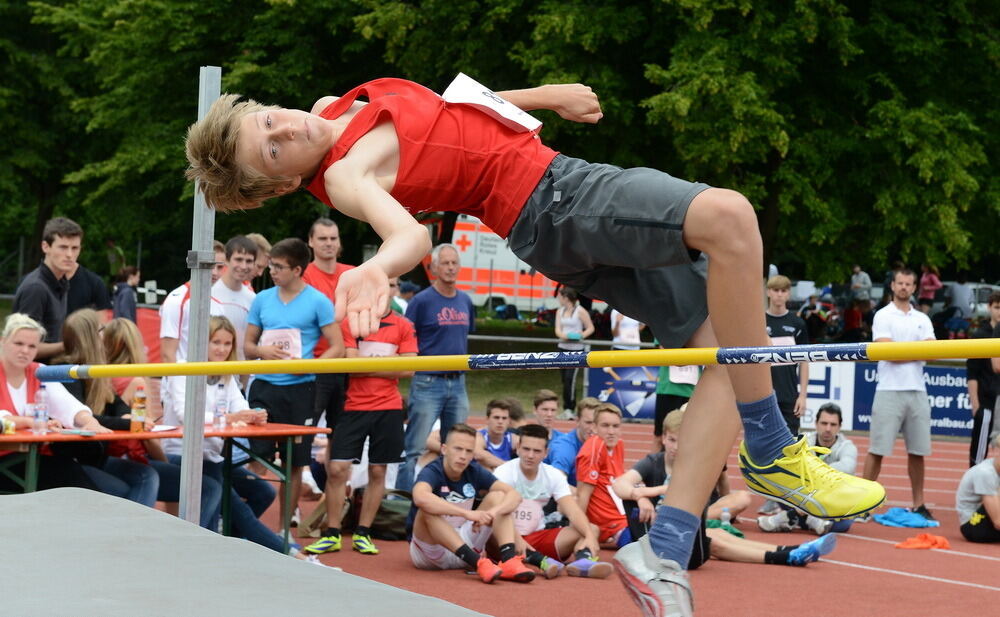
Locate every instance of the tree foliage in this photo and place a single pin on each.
(863, 132)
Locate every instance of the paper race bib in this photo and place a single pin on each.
(464, 89)
(782, 340)
(287, 339)
(375, 349)
(687, 375)
(528, 517)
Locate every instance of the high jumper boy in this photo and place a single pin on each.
(665, 251)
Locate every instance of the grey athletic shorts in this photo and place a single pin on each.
(900, 410)
(614, 234)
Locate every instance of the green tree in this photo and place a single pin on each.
(862, 132)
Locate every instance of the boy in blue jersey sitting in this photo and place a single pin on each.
(495, 445)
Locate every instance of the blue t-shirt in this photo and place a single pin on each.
(442, 324)
(562, 454)
(474, 482)
(306, 314)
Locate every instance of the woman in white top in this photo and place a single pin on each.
(625, 331)
(250, 495)
(19, 387)
(573, 324)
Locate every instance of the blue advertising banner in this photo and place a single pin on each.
(850, 385)
(947, 391)
(632, 389)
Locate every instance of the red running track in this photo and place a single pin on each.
(865, 576)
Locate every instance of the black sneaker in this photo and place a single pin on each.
(923, 511)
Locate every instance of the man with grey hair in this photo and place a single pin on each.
(443, 317)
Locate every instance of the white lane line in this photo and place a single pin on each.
(908, 504)
(934, 550)
(911, 574)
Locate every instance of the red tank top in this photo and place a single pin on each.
(452, 157)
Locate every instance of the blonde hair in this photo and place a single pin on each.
(607, 408)
(20, 321)
(587, 402)
(82, 344)
(779, 281)
(211, 146)
(216, 323)
(672, 422)
(123, 342)
(263, 246)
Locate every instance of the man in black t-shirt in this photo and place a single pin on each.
(86, 290)
(43, 293)
(791, 381)
(984, 386)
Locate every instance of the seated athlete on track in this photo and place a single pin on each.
(447, 532)
(662, 250)
(646, 483)
(978, 499)
(538, 482)
(599, 462)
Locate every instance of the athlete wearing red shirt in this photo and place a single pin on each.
(374, 412)
(599, 462)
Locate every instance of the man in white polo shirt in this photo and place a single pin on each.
(900, 396)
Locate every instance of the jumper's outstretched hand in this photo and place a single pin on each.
(577, 103)
(362, 297)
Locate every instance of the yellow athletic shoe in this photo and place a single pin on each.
(802, 480)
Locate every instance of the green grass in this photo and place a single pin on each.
(484, 386)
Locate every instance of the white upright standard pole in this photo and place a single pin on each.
(201, 259)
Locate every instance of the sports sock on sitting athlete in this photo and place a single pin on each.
(584, 553)
(672, 534)
(332, 531)
(361, 530)
(469, 556)
(507, 551)
(764, 430)
(778, 557)
(533, 558)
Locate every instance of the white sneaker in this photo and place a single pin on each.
(296, 518)
(566, 414)
(819, 525)
(769, 507)
(659, 586)
(310, 483)
(775, 522)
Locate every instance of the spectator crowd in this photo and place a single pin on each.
(513, 500)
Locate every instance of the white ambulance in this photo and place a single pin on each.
(493, 275)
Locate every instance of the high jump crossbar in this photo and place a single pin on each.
(779, 354)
